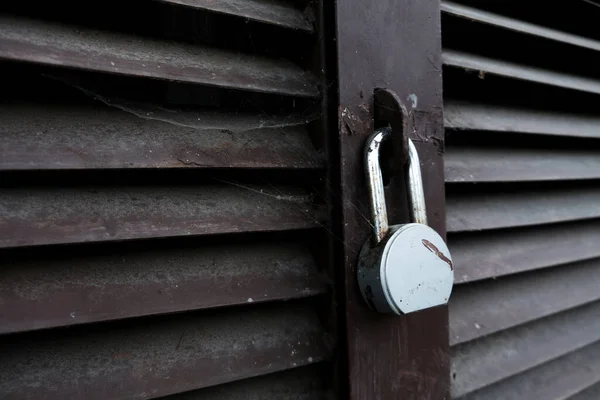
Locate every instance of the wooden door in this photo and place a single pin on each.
(394, 45)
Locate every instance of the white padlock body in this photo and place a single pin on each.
(409, 271)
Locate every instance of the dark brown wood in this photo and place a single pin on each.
(483, 362)
(73, 215)
(472, 62)
(474, 212)
(393, 45)
(59, 137)
(492, 254)
(41, 42)
(153, 358)
(50, 289)
(275, 12)
(481, 117)
(491, 306)
(505, 164)
(557, 379)
(306, 383)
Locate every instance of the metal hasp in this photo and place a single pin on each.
(402, 268)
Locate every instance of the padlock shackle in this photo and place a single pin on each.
(416, 194)
(379, 218)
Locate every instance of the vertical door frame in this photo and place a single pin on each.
(396, 45)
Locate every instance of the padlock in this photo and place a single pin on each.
(402, 268)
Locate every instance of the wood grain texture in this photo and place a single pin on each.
(500, 21)
(160, 357)
(489, 360)
(275, 12)
(397, 47)
(487, 307)
(460, 115)
(495, 254)
(481, 211)
(36, 137)
(505, 164)
(38, 216)
(511, 70)
(74, 47)
(558, 379)
(58, 288)
(306, 383)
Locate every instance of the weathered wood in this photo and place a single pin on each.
(483, 362)
(505, 164)
(487, 307)
(57, 137)
(511, 70)
(275, 12)
(558, 379)
(69, 46)
(56, 216)
(494, 254)
(56, 288)
(473, 212)
(394, 45)
(159, 357)
(497, 20)
(470, 116)
(306, 383)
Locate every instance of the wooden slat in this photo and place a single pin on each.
(480, 16)
(591, 393)
(472, 212)
(505, 164)
(488, 307)
(556, 380)
(275, 12)
(496, 253)
(305, 383)
(50, 216)
(57, 137)
(147, 359)
(470, 116)
(52, 289)
(484, 362)
(506, 69)
(52, 44)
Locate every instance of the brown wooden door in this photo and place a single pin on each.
(182, 198)
(395, 45)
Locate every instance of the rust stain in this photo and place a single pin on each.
(431, 247)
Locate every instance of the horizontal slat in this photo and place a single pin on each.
(480, 309)
(65, 46)
(517, 71)
(54, 137)
(460, 115)
(591, 393)
(298, 384)
(497, 253)
(160, 357)
(275, 12)
(487, 361)
(55, 290)
(50, 216)
(473, 14)
(556, 380)
(505, 164)
(472, 212)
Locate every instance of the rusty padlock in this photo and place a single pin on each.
(402, 268)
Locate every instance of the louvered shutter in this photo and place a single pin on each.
(163, 211)
(521, 88)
